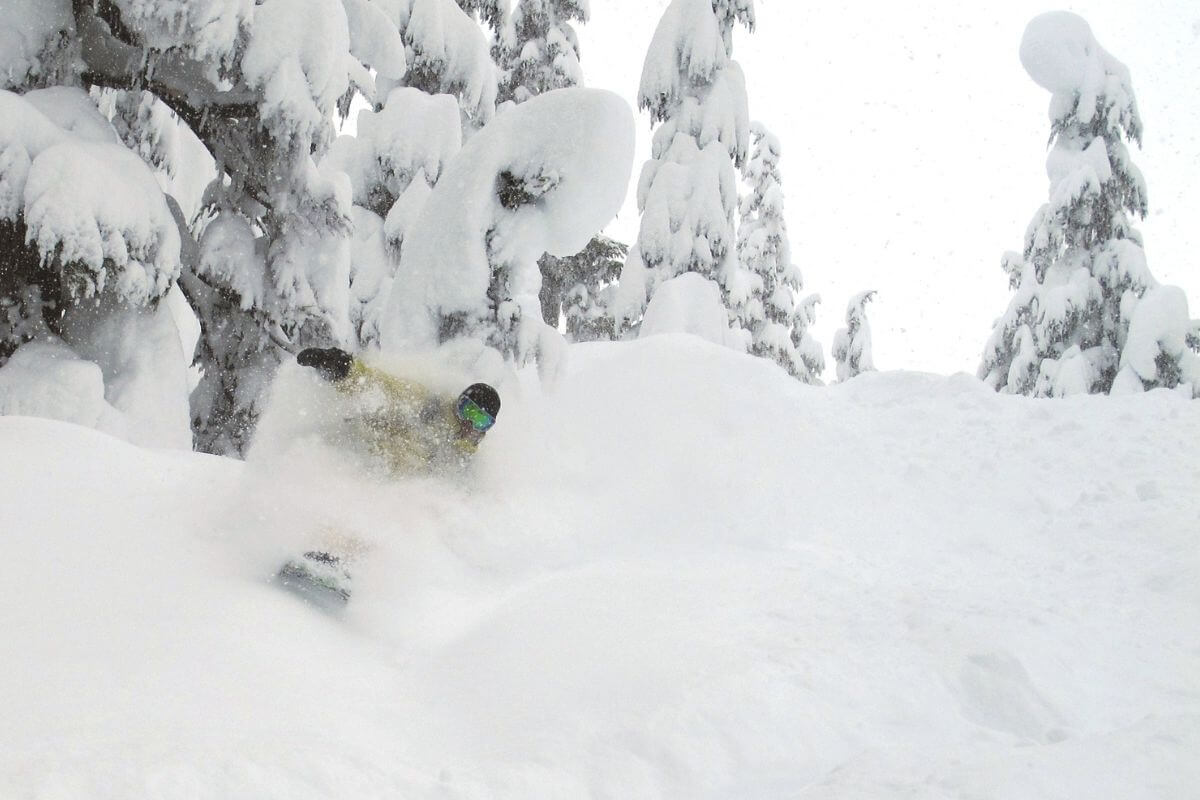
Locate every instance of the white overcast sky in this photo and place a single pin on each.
(914, 148)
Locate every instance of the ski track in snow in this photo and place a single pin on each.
(679, 573)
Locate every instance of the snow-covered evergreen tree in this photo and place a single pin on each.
(778, 324)
(416, 124)
(852, 344)
(538, 50)
(394, 160)
(415, 127)
(543, 176)
(265, 266)
(579, 289)
(687, 192)
(1082, 274)
(489, 12)
(1162, 346)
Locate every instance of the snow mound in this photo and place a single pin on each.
(690, 303)
(683, 574)
(48, 379)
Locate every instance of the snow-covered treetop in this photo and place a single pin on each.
(690, 44)
(447, 53)
(1094, 185)
(1061, 54)
(762, 174)
(538, 50)
(852, 344)
(689, 80)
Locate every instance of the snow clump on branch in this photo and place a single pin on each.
(542, 177)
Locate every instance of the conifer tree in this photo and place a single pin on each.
(544, 176)
(852, 344)
(264, 265)
(579, 289)
(687, 191)
(1082, 274)
(778, 324)
(417, 123)
(538, 51)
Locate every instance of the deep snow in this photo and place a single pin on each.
(677, 574)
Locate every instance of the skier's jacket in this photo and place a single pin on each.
(413, 430)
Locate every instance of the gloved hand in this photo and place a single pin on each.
(331, 363)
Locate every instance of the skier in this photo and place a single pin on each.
(413, 430)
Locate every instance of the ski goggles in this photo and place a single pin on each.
(468, 411)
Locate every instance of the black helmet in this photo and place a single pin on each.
(483, 396)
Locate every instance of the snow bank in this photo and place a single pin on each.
(48, 379)
(129, 380)
(145, 370)
(683, 574)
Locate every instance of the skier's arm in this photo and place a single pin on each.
(400, 393)
(351, 375)
(386, 410)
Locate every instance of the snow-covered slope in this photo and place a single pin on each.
(680, 574)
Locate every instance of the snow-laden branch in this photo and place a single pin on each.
(115, 60)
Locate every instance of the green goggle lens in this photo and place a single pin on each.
(480, 420)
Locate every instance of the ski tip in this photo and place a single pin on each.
(325, 592)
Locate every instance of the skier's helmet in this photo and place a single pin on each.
(478, 404)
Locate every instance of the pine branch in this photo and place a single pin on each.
(115, 60)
